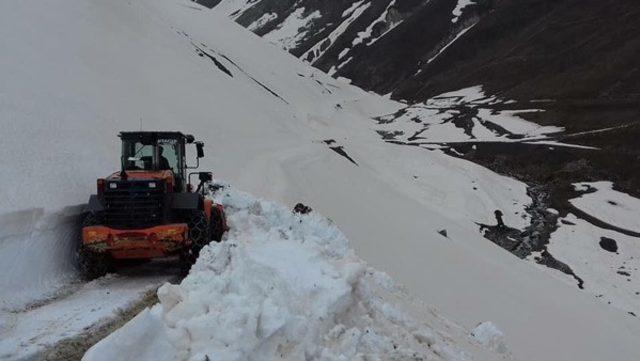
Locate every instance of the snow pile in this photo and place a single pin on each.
(488, 335)
(282, 286)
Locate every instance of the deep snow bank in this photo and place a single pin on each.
(36, 255)
(282, 286)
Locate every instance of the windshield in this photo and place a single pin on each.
(138, 156)
(145, 155)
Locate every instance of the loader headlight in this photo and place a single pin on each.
(113, 185)
(152, 185)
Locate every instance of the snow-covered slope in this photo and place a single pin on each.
(79, 71)
(600, 241)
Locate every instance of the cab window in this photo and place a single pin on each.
(169, 156)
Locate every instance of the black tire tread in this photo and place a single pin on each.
(91, 265)
(199, 235)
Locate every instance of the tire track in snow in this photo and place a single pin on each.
(65, 326)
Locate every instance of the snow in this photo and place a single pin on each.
(317, 50)
(458, 36)
(457, 11)
(609, 276)
(577, 243)
(349, 11)
(390, 26)
(282, 286)
(343, 53)
(235, 8)
(368, 32)
(488, 335)
(335, 69)
(432, 121)
(510, 121)
(77, 72)
(608, 205)
(290, 32)
(262, 21)
(602, 130)
(27, 333)
(32, 245)
(559, 144)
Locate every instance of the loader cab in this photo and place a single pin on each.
(156, 152)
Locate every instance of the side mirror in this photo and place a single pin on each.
(205, 176)
(200, 149)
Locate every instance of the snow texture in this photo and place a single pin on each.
(289, 33)
(552, 144)
(27, 333)
(458, 36)
(457, 11)
(437, 120)
(262, 21)
(489, 336)
(281, 286)
(368, 32)
(34, 255)
(611, 277)
(235, 8)
(608, 205)
(322, 46)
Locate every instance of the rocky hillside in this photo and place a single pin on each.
(575, 60)
(379, 44)
(529, 48)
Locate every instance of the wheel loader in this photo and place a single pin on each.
(149, 209)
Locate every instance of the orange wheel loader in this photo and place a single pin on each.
(149, 209)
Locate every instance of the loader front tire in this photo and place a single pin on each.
(199, 235)
(217, 224)
(91, 264)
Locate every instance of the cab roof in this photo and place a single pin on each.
(153, 136)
